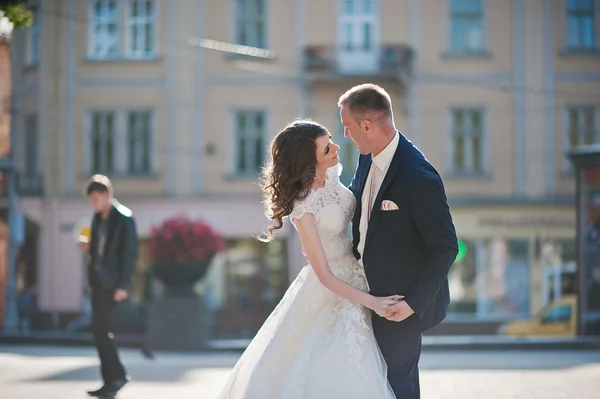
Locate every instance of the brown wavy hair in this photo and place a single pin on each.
(290, 171)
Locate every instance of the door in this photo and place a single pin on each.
(358, 36)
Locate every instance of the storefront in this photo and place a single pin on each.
(512, 261)
(243, 286)
(586, 160)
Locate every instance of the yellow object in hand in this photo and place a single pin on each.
(85, 234)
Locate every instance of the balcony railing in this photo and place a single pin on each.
(323, 63)
(30, 184)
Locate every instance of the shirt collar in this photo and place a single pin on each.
(384, 158)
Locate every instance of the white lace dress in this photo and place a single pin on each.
(315, 344)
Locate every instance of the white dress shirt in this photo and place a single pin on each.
(379, 167)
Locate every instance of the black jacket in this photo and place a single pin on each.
(408, 251)
(120, 251)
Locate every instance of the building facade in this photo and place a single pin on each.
(492, 92)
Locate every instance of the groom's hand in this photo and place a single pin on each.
(400, 311)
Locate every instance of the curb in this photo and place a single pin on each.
(430, 342)
(462, 343)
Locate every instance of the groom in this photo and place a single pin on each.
(403, 232)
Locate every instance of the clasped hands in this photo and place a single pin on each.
(393, 308)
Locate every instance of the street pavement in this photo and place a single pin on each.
(31, 372)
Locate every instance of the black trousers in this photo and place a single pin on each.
(103, 306)
(401, 352)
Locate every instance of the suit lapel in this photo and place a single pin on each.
(363, 178)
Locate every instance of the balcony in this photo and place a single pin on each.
(391, 63)
(30, 184)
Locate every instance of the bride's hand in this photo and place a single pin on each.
(380, 304)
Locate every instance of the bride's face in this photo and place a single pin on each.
(327, 152)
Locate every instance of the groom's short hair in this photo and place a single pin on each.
(367, 100)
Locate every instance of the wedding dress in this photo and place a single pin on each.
(316, 344)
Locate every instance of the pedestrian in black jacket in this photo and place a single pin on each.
(113, 249)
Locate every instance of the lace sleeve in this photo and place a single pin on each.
(319, 198)
(307, 205)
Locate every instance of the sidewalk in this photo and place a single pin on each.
(66, 372)
(430, 342)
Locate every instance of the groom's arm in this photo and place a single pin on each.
(431, 215)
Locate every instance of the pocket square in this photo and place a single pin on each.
(388, 205)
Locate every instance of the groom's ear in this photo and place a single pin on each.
(366, 125)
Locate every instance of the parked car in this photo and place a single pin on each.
(558, 318)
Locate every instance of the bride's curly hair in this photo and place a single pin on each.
(290, 172)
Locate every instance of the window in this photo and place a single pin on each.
(466, 26)
(33, 39)
(358, 34)
(581, 126)
(141, 29)
(245, 283)
(31, 146)
(558, 262)
(102, 142)
(360, 20)
(504, 277)
(249, 133)
(462, 280)
(139, 136)
(121, 142)
(29, 178)
(251, 23)
(349, 159)
(103, 29)
(580, 24)
(348, 154)
(348, 6)
(491, 279)
(359, 6)
(111, 21)
(467, 141)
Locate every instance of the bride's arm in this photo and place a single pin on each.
(313, 250)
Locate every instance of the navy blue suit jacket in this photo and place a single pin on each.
(408, 251)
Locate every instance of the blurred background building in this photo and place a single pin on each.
(5, 90)
(493, 92)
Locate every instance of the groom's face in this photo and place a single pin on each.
(354, 131)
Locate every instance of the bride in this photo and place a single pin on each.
(318, 342)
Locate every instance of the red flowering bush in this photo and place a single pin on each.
(182, 240)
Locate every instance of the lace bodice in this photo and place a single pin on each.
(333, 207)
(312, 328)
